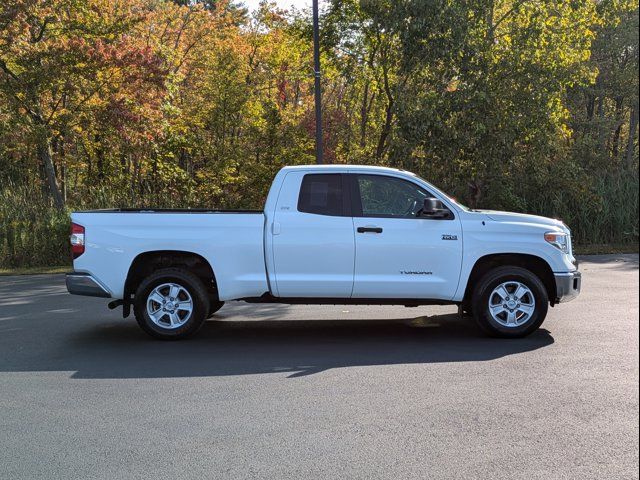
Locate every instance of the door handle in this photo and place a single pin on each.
(369, 230)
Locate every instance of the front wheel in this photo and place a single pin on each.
(171, 304)
(510, 302)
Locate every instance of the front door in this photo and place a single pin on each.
(313, 241)
(398, 253)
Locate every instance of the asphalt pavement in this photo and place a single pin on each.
(306, 392)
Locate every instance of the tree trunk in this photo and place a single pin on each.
(476, 188)
(616, 134)
(388, 120)
(633, 126)
(602, 127)
(46, 160)
(60, 152)
(490, 36)
(386, 130)
(591, 107)
(100, 163)
(364, 115)
(64, 183)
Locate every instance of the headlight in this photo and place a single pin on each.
(558, 240)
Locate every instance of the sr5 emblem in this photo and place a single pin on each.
(449, 237)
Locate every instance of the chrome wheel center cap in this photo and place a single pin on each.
(512, 304)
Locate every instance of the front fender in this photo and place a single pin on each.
(483, 238)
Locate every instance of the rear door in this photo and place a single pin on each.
(398, 253)
(312, 237)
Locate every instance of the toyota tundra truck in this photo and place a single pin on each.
(356, 235)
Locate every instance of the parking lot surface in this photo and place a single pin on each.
(282, 392)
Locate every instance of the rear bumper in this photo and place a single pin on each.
(568, 286)
(85, 284)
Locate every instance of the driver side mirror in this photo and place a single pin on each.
(434, 208)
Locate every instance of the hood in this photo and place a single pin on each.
(523, 218)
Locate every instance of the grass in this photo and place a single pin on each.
(32, 232)
(606, 249)
(35, 270)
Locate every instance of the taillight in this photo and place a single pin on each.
(77, 240)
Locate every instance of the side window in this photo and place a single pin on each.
(383, 196)
(322, 194)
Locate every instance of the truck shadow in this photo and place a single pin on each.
(290, 347)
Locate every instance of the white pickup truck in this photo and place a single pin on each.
(327, 235)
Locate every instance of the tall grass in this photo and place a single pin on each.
(614, 217)
(34, 234)
(605, 213)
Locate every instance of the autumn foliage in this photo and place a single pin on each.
(508, 104)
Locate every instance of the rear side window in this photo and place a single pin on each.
(322, 194)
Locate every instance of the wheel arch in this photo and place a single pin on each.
(147, 262)
(536, 265)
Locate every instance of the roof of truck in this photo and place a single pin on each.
(344, 167)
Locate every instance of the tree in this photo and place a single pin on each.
(58, 56)
(485, 99)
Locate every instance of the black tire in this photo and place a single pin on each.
(486, 286)
(192, 284)
(214, 306)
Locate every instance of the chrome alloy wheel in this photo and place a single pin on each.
(169, 306)
(512, 304)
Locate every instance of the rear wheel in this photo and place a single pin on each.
(171, 304)
(510, 302)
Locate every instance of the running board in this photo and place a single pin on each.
(407, 302)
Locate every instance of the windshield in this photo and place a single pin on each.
(451, 199)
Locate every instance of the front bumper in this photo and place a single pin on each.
(568, 286)
(85, 284)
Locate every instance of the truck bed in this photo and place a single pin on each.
(232, 242)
